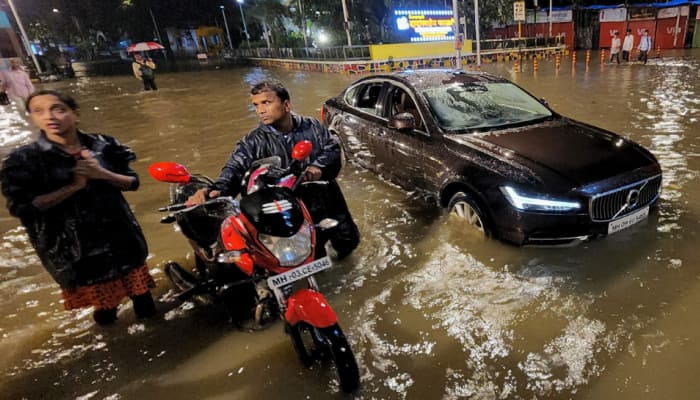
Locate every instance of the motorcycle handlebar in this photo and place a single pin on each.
(187, 207)
(174, 207)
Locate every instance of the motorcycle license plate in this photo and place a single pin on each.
(299, 273)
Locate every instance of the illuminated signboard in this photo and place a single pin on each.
(424, 25)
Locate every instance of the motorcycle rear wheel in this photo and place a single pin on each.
(311, 343)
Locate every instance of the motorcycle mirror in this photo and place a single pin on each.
(230, 238)
(327, 223)
(168, 171)
(302, 150)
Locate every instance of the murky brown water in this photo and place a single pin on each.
(429, 314)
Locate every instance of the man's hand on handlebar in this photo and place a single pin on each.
(312, 173)
(201, 196)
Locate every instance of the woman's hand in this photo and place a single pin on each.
(89, 167)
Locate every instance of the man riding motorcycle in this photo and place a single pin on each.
(279, 130)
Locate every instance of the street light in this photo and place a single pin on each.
(245, 28)
(230, 43)
(27, 45)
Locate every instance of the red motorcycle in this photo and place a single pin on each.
(259, 255)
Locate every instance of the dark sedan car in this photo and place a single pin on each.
(496, 156)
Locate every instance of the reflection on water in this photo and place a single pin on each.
(429, 313)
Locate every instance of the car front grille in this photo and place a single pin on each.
(624, 200)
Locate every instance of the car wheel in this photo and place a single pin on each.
(343, 152)
(466, 209)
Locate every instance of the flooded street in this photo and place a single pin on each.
(430, 313)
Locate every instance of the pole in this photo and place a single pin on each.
(455, 27)
(245, 28)
(155, 25)
(303, 23)
(535, 20)
(228, 34)
(550, 18)
(675, 32)
(27, 46)
(346, 23)
(478, 39)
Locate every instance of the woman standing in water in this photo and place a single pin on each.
(66, 189)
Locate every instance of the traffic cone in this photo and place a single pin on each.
(534, 63)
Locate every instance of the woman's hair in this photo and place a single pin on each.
(64, 98)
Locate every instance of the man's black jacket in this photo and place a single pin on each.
(265, 141)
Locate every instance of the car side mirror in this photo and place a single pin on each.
(403, 122)
(544, 102)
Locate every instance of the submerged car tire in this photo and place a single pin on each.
(312, 343)
(464, 207)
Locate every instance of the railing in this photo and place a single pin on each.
(349, 53)
(307, 53)
(518, 43)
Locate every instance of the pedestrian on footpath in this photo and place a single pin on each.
(627, 46)
(16, 83)
(66, 189)
(644, 46)
(615, 48)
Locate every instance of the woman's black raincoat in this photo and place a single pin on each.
(91, 237)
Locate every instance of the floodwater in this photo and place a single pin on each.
(430, 313)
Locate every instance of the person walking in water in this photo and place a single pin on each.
(144, 70)
(627, 45)
(278, 131)
(644, 46)
(615, 48)
(66, 189)
(16, 83)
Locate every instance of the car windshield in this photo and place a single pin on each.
(478, 105)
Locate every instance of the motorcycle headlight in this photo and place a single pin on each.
(537, 203)
(290, 251)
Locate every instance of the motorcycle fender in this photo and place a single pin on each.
(311, 307)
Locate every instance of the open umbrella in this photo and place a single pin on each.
(144, 46)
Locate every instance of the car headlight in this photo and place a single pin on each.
(537, 203)
(290, 251)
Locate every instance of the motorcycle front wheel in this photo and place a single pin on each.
(311, 343)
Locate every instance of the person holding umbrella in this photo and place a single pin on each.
(144, 71)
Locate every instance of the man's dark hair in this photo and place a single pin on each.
(629, 31)
(64, 98)
(272, 85)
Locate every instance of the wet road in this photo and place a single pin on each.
(430, 314)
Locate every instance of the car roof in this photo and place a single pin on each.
(427, 78)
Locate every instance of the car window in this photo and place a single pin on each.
(367, 97)
(476, 105)
(401, 102)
